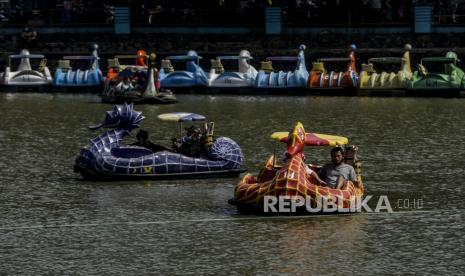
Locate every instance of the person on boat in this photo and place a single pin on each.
(311, 174)
(124, 87)
(337, 172)
(190, 144)
(143, 141)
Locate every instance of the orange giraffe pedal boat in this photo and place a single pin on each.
(292, 181)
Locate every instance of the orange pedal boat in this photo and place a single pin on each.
(320, 79)
(292, 182)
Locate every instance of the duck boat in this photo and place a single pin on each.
(220, 80)
(335, 82)
(190, 80)
(373, 82)
(68, 79)
(136, 84)
(287, 82)
(107, 158)
(25, 78)
(438, 77)
(291, 180)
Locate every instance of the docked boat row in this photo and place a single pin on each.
(109, 157)
(382, 76)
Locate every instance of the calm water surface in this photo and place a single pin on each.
(52, 222)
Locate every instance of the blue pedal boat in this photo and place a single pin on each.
(91, 77)
(267, 78)
(190, 79)
(107, 158)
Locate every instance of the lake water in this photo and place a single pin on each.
(52, 222)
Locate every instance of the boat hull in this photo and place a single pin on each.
(90, 175)
(292, 183)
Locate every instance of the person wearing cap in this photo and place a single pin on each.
(336, 173)
(190, 144)
(143, 141)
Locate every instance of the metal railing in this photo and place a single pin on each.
(209, 17)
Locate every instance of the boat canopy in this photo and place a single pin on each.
(27, 56)
(131, 56)
(314, 139)
(181, 117)
(282, 58)
(184, 58)
(234, 57)
(387, 60)
(439, 60)
(80, 57)
(334, 59)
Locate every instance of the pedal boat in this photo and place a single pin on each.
(338, 81)
(192, 79)
(90, 79)
(438, 77)
(25, 78)
(142, 85)
(372, 82)
(288, 81)
(291, 180)
(106, 158)
(221, 80)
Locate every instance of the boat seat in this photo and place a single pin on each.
(368, 68)
(42, 65)
(422, 70)
(350, 155)
(449, 68)
(318, 67)
(216, 64)
(266, 66)
(167, 66)
(64, 64)
(113, 63)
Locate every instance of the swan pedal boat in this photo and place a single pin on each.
(25, 78)
(343, 82)
(438, 77)
(243, 80)
(191, 80)
(68, 79)
(107, 158)
(372, 82)
(145, 90)
(291, 179)
(284, 82)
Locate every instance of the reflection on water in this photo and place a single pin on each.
(410, 149)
